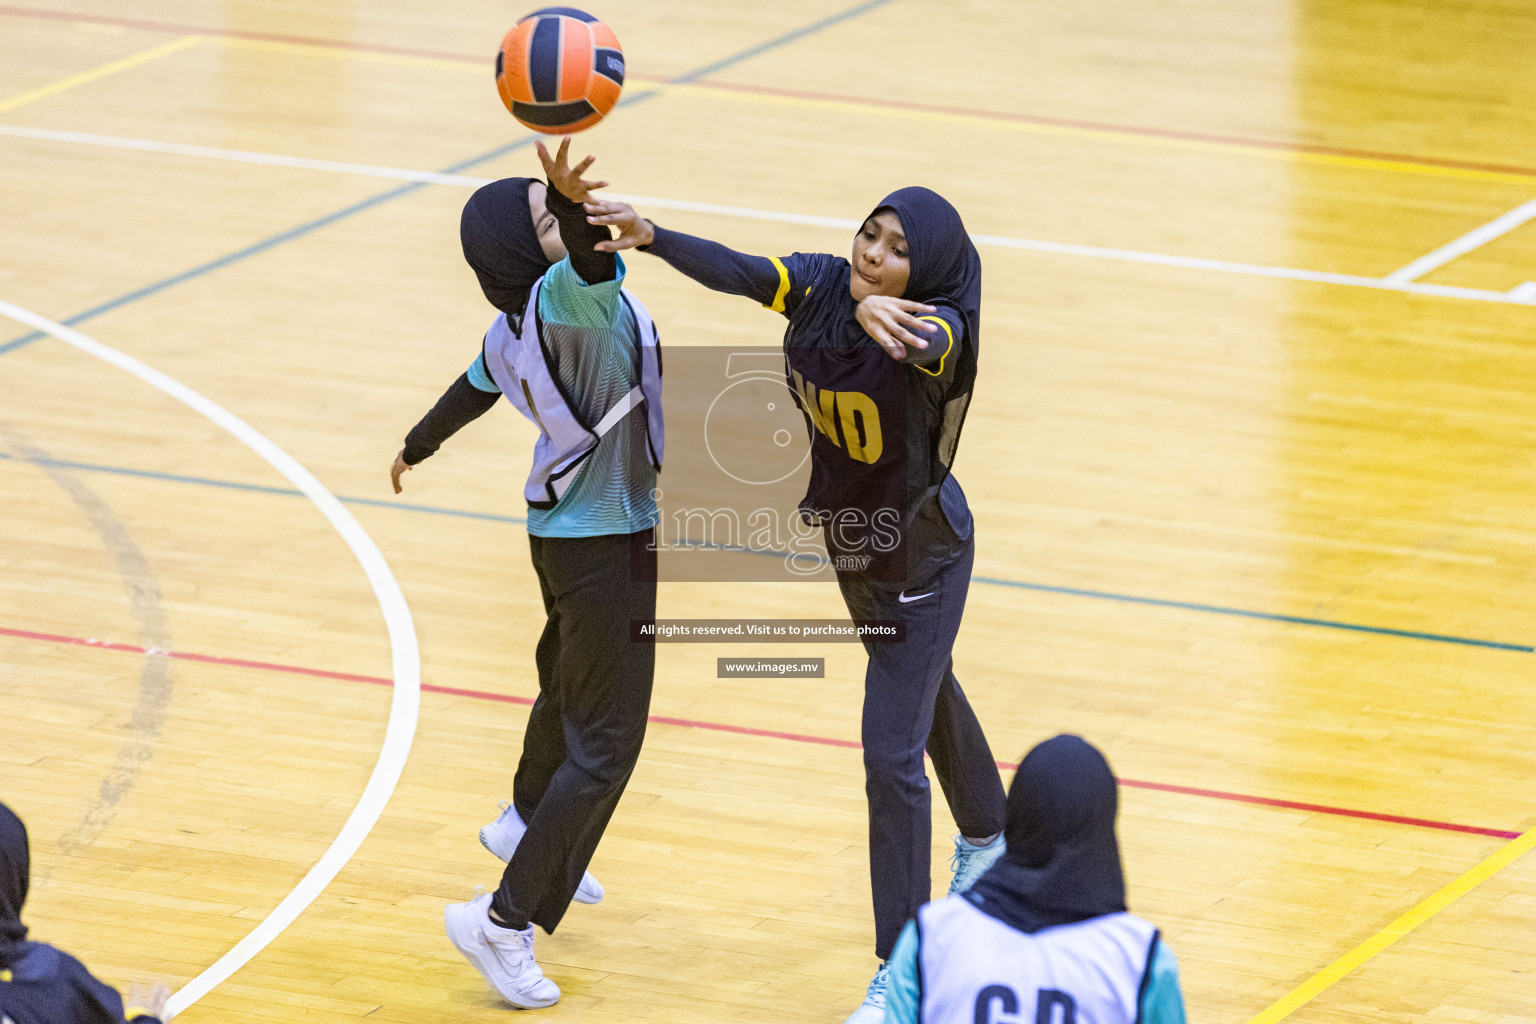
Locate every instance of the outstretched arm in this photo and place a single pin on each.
(461, 404)
(711, 264)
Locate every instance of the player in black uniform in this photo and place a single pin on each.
(43, 985)
(881, 354)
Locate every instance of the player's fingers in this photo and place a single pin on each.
(913, 323)
(908, 338)
(593, 186)
(882, 336)
(609, 213)
(544, 158)
(565, 148)
(581, 168)
(158, 997)
(890, 328)
(913, 306)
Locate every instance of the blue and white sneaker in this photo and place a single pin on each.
(502, 836)
(971, 862)
(872, 1009)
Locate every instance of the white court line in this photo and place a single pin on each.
(404, 705)
(1516, 297)
(240, 156)
(1495, 228)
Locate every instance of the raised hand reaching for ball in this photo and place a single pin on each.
(565, 178)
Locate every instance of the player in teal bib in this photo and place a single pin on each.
(577, 355)
(1043, 935)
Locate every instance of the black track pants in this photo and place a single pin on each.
(913, 702)
(586, 727)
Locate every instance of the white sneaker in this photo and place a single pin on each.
(503, 956)
(502, 836)
(971, 862)
(872, 1009)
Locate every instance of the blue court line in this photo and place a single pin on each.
(404, 190)
(234, 257)
(384, 197)
(788, 37)
(1045, 588)
(235, 485)
(1244, 613)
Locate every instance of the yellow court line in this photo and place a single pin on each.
(940, 116)
(1358, 956)
(64, 85)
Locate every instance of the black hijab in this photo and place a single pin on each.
(501, 243)
(945, 267)
(1062, 862)
(15, 872)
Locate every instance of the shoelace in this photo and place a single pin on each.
(964, 857)
(962, 860)
(876, 993)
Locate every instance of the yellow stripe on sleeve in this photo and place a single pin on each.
(944, 324)
(777, 305)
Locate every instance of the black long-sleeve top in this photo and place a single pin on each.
(723, 269)
(873, 420)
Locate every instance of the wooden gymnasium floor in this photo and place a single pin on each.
(1253, 484)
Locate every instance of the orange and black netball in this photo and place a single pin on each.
(559, 70)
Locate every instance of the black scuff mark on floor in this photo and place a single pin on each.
(155, 676)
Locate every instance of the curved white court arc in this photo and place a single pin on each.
(404, 706)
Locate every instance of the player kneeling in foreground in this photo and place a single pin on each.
(1043, 936)
(43, 985)
(579, 357)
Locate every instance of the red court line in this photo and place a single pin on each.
(1296, 805)
(741, 730)
(995, 115)
(1123, 129)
